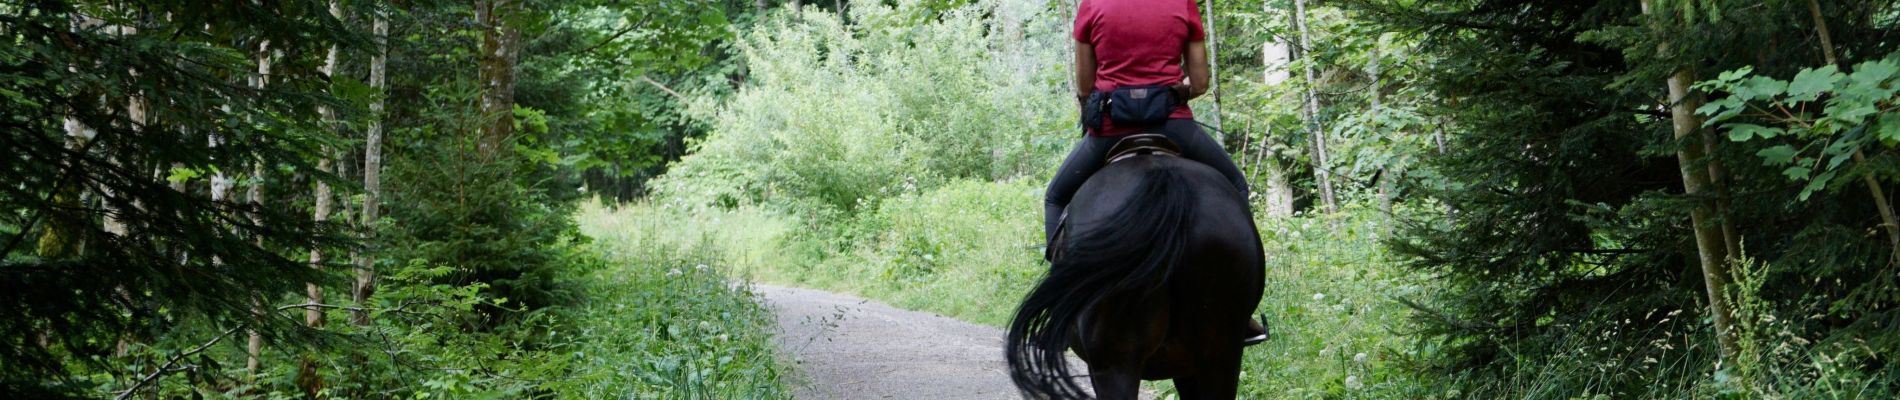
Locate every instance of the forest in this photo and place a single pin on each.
(568, 198)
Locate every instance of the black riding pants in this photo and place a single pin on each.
(1092, 151)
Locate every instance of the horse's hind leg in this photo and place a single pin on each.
(1221, 380)
(1115, 384)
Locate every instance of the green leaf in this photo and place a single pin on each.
(1744, 132)
(1837, 159)
(181, 174)
(1819, 182)
(1850, 112)
(1810, 83)
(1735, 74)
(1778, 155)
(1872, 73)
(1796, 172)
(1888, 132)
(1760, 88)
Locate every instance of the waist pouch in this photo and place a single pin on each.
(1129, 106)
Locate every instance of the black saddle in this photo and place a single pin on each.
(1142, 144)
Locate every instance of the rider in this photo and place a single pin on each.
(1126, 43)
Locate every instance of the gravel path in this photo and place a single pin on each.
(846, 347)
(851, 348)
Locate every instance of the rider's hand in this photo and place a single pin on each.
(1181, 92)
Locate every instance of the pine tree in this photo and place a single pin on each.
(184, 255)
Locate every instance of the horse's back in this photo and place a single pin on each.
(1217, 278)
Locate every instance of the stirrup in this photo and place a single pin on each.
(1265, 333)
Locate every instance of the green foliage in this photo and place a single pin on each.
(835, 117)
(449, 206)
(666, 323)
(121, 257)
(1564, 254)
(124, 274)
(1334, 302)
(1857, 112)
(928, 250)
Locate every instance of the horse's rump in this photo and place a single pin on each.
(1160, 264)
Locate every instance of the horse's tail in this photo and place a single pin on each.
(1129, 254)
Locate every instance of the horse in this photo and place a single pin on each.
(1154, 278)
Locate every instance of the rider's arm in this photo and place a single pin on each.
(1197, 69)
(1084, 70)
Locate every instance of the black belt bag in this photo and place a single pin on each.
(1129, 106)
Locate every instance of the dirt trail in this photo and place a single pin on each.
(846, 347)
(851, 348)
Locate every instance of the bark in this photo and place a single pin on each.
(1213, 68)
(1887, 220)
(60, 239)
(501, 45)
(1316, 133)
(372, 168)
(307, 376)
(313, 317)
(1279, 193)
(135, 117)
(1698, 185)
(255, 344)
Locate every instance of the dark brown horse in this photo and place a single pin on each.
(1157, 273)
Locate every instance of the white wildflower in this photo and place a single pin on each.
(1352, 382)
(1319, 296)
(1359, 358)
(673, 272)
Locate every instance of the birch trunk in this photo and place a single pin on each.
(372, 168)
(1274, 58)
(1213, 76)
(313, 317)
(1316, 133)
(255, 345)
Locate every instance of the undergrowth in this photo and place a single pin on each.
(665, 321)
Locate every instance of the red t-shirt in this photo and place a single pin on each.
(1138, 43)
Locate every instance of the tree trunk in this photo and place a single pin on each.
(313, 317)
(1887, 220)
(135, 118)
(1213, 75)
(307, 376)
(372, 168)
(1274, 57)
(255, 346)
(1711, 246)
(500, 49)
(1316, 133)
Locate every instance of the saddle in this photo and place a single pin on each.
(1142, 144)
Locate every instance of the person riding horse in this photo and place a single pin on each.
(1129, 79)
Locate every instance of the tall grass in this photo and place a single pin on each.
(1332, 303)
(663, 319)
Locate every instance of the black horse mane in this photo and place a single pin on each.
(1130, 253)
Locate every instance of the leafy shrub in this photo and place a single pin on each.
(835, 117)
